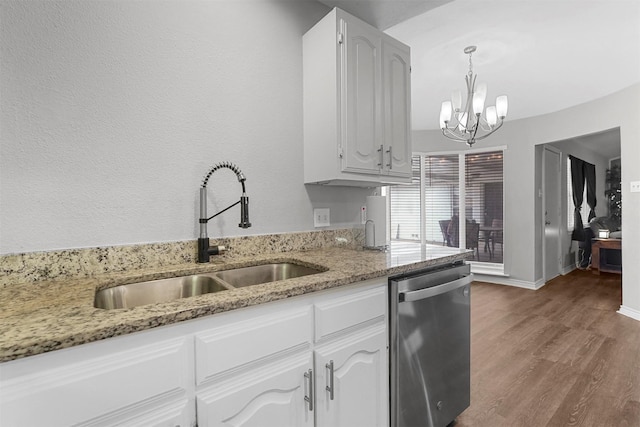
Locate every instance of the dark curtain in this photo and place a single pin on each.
(577, 186)
(590, 177)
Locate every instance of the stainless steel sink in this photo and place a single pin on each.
(247, 276)
(155, 291)
(165, 290)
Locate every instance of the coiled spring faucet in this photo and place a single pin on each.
(204, 250)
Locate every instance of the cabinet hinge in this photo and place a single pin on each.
(340, 38)
(340, 151)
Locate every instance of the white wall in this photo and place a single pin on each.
(112, 112)
(523, 243)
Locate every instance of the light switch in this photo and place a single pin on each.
(635, 186)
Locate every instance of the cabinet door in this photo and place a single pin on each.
(360, 380)
(361, 127)
(396, 83)
(273, 396)
(104, 383)
(179, 413)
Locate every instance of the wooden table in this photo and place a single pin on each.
(599, 247)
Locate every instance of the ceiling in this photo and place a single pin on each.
(546, 55)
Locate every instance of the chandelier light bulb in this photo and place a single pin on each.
(479, 97)
(502, 105)
(445, 114)
(456, 100)
(492, 116)
(462, 118)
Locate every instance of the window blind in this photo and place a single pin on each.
(405, 206)
(441, 195)
(483, 183)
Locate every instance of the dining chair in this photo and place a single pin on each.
(473, 234)
(444, 227)
(496, 236)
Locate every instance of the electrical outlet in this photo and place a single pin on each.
(635, 186)
(321, 217)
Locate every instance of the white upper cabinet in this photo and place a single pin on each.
(397, 108)
(361, 101)
(357, 102)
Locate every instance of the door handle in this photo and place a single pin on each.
(390, 164)
(309, 397)
(329, 387)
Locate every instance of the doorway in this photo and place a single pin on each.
(551, 209)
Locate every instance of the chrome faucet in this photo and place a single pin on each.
(204, 250)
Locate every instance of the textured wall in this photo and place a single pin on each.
(112, 112)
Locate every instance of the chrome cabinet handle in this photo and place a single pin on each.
(390, 164)
(381, 151)
(329, 388)
(309, 398)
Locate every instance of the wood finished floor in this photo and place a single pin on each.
(558, 356)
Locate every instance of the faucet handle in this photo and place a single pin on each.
(244, 212)
(217, 250)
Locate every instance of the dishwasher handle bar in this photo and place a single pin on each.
(434, 290)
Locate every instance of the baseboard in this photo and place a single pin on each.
(509, 282)
(629, 312)
(567, 269)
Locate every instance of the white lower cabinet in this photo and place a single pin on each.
(115, 382)
(276, 364)
(271, 396)
(352, 380)
(276, 371)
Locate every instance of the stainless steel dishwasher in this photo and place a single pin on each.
(429, 343)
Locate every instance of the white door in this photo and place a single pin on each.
(361, 103)
(272, 396)
(551, 213)
(396, 83)
(360, 381)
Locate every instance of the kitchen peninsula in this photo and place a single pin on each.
(53, 339)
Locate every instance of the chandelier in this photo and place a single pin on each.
(471, 124)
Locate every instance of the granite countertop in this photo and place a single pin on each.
(44, 316)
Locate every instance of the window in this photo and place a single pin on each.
(428, 209)
(441, 201)
(405, 199)
(584, 209)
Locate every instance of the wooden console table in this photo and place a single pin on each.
(598, 255)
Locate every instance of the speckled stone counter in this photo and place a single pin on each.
(49, 315)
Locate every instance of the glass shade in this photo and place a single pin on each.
(502, 106)
(462, 122)
(479, 96)
(456, 100)
(445, 113)
(492, 116)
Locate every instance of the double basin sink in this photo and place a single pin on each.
(165, 290)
